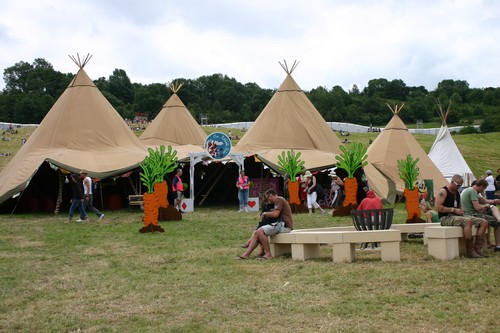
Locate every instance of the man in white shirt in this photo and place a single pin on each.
(88, 195)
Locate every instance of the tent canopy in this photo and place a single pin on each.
(393, 144)
(290, 121)
(81, 131)
(175, 126)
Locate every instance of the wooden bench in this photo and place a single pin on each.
(306, 244)
(135, 200)
(446, 243)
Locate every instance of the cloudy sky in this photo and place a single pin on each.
(337, 42)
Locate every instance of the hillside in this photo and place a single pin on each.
(476, 148)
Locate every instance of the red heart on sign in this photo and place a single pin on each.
(183, 205)
(252, 204)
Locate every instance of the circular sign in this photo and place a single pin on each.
(218, 145)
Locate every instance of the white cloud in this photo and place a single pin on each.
(337, 42)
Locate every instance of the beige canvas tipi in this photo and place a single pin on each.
(175, 126)
(81, 131)
(290, 121)
(393, 144)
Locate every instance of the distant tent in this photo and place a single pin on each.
(393, 144)
(445, 153)
(81, 131)
(290, 121)
(175, 126)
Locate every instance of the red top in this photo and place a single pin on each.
(370, 202)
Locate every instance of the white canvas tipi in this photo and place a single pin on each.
(445, 153)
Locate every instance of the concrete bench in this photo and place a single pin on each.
(410, 228)
(404, 228)
(306, 244)
(446, 243)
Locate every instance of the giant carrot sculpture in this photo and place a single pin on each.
(291, 164)
(154, 168)
(352, 158)
(408, 171)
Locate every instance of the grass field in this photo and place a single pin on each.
(107, 277)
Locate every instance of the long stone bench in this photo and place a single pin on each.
(306, 244)
(446, 243)
(410, 228)
(405, 229)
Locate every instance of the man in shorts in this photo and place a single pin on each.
(284, 223)
(450, 213)
(475, 204)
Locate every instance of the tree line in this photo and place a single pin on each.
(31, 90)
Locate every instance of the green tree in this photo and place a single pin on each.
(120, 86)
(450, 87)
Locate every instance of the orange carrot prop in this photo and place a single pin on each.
(161, 189)
(291, 164)
(408, 171)
(412, 204)
(154, 168)
(293, 191)
(352, 158)
(150, 209)
(351, 189)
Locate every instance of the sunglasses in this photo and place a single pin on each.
(457, 184)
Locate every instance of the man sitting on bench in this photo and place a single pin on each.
(283, 213)
(450, 213)
(476, 205)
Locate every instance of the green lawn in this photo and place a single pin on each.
(107, 277)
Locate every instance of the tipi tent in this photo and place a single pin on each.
(175, 126)
(393, 144)
(81, 131)
(290, 121)
(445, 153)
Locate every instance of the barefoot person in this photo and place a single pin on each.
(284, 224)
(450, 213)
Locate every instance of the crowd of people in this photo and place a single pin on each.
(82, 187)
(473, 207)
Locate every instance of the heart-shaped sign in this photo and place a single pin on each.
(252, 203)
(184, 205)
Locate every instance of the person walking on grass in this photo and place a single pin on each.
(450, 212)
(243, 186)
(77, 200)
(88, 195)
(312, 192)
(284, 223)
